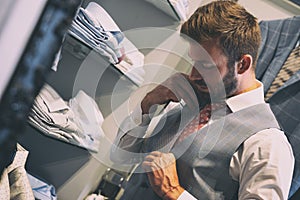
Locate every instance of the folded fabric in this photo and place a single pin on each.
(77, 122)
(88, 27)
(177, 9)
(101, 17)
(104, 51)
(95, 28)
(41, 190)
(181, 8)
(97, 44)
(98, 34)
(95, 197)
(132, 63)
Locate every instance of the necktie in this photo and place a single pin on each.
(290, 67)
(15, 177)
(201, 120)
(4, 186)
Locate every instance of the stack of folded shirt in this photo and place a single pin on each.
(181, 8)
(77, 122)
(94, 27)
(177, 9)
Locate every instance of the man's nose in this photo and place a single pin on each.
(195, 74)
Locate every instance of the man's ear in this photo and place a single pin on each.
(245, 64)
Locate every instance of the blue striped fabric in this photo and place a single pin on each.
(279, 38)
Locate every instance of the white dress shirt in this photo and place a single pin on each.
(264, 163)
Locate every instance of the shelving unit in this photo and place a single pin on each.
(74, 171)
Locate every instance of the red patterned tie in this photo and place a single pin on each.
(199, 121)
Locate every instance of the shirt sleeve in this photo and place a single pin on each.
(132, 131)
(130, 137)
(186, 196)
(264, 165)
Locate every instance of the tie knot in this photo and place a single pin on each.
(207, 111)
(217, 105)
(214, 106)
(201, 120)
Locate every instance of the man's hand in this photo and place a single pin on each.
(175, 88)
(162, 174)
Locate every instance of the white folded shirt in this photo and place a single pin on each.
(77, 122)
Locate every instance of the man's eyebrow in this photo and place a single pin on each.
(197, 60)
(205, 62)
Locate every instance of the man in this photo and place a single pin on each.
(225, 142)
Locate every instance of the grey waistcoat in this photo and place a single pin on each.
(203, 158)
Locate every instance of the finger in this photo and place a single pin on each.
(150, 158)
(160, 159)
(171, 157)
(149, 166)
(154, 162)
(153, 155)
(156, 153)
(146, 164)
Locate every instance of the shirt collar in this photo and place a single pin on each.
(246, 99)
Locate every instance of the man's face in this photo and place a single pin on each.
(210, 73)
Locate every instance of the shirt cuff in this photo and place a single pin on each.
(139, 118)
(186, 196)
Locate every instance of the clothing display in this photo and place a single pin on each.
(77, 121)
(279, 38)
(245, 145)
(290, 67)
(95, 28)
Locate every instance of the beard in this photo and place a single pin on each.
(230, 82)
(226, 88)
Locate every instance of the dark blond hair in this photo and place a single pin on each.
(237, 31)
